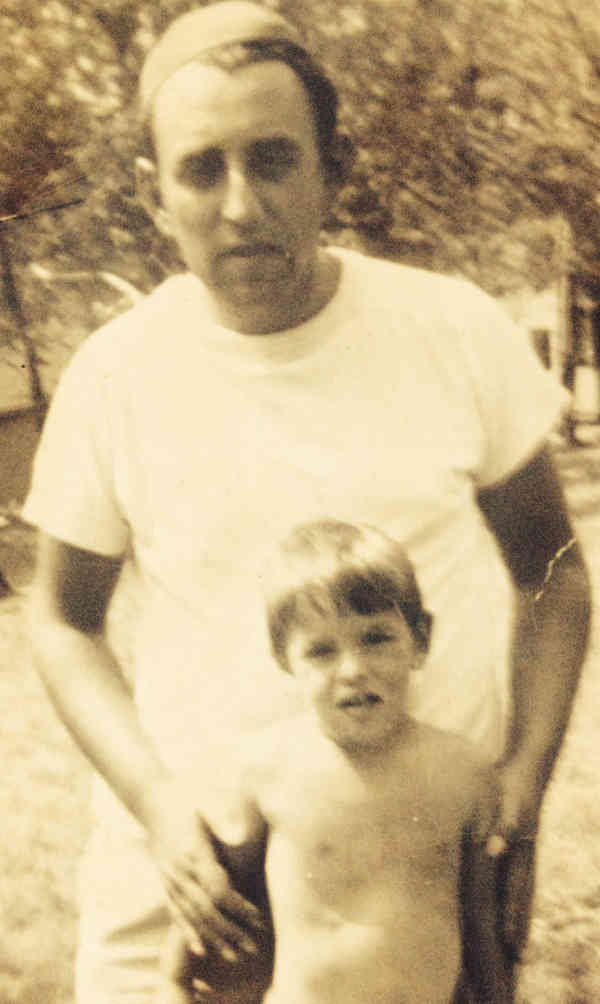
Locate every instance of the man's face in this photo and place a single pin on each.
(242, 186)
(354, 670)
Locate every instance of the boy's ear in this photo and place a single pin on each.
(148, 194)
(423, 630)
(420, 656)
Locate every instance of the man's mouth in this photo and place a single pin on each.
(254, 250)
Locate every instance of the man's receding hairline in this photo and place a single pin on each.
(217, 60)
(208, 29)
(317, 89)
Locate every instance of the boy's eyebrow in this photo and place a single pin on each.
(282, 147)
(277, 141)
(377, 623)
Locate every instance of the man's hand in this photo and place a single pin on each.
(518, 807)
(512, 840)
(201, 897)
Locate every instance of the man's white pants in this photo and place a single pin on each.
(124, 920)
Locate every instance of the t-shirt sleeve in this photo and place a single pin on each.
(518, 401)
(72, 494)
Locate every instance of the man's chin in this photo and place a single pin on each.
(253, 272)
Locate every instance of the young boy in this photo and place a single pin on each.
(369, 825)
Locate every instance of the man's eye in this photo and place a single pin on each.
(321, 650)
(203, 171)
(272, 161)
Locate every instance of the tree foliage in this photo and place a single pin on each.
(475, 122)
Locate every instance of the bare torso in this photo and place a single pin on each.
(363, 866)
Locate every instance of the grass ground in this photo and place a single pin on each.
(43, 786)
(563, 959)
(43, 793)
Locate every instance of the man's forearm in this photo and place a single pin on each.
(86, 687)
(548, 648)
(488, 968)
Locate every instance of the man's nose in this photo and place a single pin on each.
(241, 202)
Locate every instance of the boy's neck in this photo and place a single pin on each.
(378, 753)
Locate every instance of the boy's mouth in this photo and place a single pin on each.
(360, 700)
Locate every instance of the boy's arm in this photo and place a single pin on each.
(489, 970)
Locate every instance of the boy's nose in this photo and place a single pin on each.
(350, 667)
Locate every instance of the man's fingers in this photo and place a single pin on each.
(503, 838)
(189, 920)
(205, 923)
(210, 910)
(500, 839)
(242, 910)
(194, 942)
(215, 886)
(496, 845)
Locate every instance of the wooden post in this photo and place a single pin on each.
(563, 341)
(13, 303)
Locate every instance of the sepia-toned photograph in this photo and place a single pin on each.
(300, 502)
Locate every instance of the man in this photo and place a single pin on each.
(278, 382)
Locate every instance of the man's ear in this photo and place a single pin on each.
(337, 170)
(340, 161)
(148, 194)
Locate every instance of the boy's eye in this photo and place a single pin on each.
(321, 650)
(377, 637)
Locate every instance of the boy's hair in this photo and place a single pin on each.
(331, 566)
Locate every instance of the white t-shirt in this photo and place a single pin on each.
(194, 448)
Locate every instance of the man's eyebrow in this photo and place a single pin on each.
(197, 158)
(200, 154)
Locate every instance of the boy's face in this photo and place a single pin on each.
(354, 670)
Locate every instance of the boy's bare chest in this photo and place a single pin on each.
(346, 833)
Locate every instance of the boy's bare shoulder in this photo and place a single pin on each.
(461, 765)
(465, 754)
(269, 752)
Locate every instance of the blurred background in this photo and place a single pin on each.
(476, 128)
(476, 125)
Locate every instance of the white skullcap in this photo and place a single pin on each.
(197, 32)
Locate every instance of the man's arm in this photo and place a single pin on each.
(67, 612)
(487, 968)
(529, 519)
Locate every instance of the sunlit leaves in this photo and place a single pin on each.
(469, 117)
